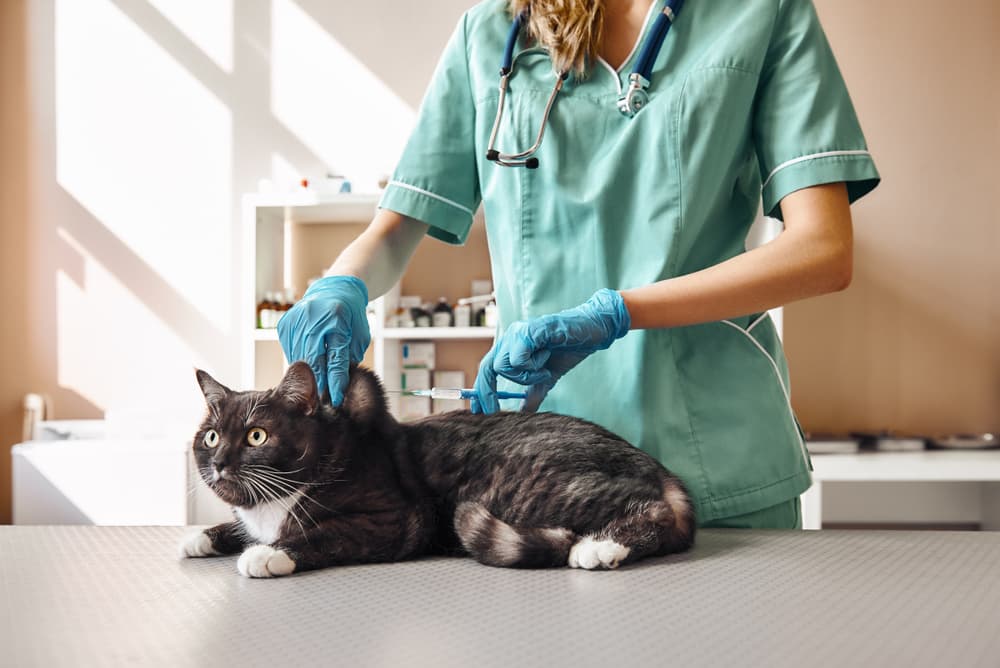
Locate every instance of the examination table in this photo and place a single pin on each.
(82, 596)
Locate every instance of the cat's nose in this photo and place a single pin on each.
(221, 470)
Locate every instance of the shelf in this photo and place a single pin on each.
(405, 333)
(309, 207)
(485, 333)
(929, 465)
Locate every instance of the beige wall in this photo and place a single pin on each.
(914, 343)
(14, 340)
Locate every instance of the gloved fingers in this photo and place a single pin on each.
(523, 377)
(521, 344)
(561, 363)
(290, 335)
(536, 394)
(310, 347)
(361, 338)
(318, 366)
(544, 332)
(516, 361)
(338, 366)
(485, 401)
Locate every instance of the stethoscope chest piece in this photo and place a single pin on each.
(636, 97)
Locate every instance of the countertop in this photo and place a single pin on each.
(80, 596)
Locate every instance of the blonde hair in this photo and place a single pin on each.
(570, 30)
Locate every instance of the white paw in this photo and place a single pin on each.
(590, 554)
(197, 544)
(263, 561)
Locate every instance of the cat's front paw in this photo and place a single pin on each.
(263, 561)
(197, 544)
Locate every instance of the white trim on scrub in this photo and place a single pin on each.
(814, 156)
(430, 194)
(777, 373)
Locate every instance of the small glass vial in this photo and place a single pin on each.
(490, 315)
(443, 315)
(267, 310)
(421, 316)
(463, 315)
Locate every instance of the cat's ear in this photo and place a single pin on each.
(298, 388)
(364, 400)
(213, 390)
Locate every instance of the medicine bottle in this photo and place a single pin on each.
(443, 315)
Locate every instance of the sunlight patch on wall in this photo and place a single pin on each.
(115, 351)
(284, 174)
(207, 23)
(146, 149)
(80, 365)
(338, 107)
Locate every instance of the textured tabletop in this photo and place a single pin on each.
(81, 596)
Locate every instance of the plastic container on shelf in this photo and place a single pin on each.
(463, 315)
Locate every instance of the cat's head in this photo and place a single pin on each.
(260, 444)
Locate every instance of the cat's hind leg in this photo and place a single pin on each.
(656, 527)
(493, 542)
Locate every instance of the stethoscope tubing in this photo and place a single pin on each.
(658, 33)
(639, 78)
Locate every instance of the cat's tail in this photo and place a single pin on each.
(495, 543)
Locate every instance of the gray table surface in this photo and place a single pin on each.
(81, 596)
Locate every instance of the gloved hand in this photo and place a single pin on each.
(538, 352)
(328, 328)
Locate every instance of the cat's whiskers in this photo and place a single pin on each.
(265, 467)
(297, 503)
(288, 491)
(267, 495)
(247, 491)
(280, 484)
(193, 487)
(272, 495)
(291, 487)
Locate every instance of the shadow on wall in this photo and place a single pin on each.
(154, 120)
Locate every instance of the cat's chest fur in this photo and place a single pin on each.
(263, 522)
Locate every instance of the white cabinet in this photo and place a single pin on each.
(872, 478)
(284, 245)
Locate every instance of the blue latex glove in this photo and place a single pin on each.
(538, 352)
(328, 328)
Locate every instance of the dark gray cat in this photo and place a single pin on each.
(312, 486)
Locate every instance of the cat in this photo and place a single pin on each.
(313, 486)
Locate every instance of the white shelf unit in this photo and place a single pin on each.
(980, 468)
(454, 333)
(268, 221)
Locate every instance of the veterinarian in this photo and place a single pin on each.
(625, 293)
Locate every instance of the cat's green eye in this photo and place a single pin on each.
(256, 436)
(211, 438)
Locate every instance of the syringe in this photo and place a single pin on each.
(456, 393)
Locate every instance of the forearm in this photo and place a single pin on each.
(811, 257)
(380, 254)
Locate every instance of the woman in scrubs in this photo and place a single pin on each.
(620, 262)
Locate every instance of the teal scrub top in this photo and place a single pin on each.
(746, 103)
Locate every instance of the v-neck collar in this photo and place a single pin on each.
(653, 9)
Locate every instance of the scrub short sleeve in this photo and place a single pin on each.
(805, 128)
(436, 181)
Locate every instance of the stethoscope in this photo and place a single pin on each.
(631, 101)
